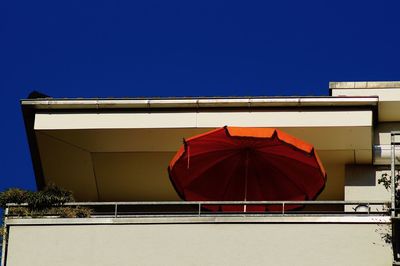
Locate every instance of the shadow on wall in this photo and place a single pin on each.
(360, 175)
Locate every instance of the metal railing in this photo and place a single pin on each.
(394, 143)
(224, 208)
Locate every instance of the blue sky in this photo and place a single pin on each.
(183, 48)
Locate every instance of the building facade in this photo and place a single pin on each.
(113, 154)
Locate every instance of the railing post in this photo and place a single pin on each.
(283, 208)
(393, 173)
(116, 210)
(199, 209)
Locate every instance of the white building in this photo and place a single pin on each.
(117, 150)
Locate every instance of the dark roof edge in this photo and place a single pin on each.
(50, 103)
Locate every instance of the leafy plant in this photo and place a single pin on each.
(3, 233)
(49, 196)
(13, 195)
(47, 202)
(19, 211)
(72, 212)
(386, 181)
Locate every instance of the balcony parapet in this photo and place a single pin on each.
(199, 212)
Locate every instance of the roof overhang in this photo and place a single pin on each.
(119, 149)
(388, 93)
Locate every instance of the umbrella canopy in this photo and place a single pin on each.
(247, 164)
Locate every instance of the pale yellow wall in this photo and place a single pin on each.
(199, 244)
(325, 139)
(361, 184)
(134, 176)
(382, 133)
(334, 188)
(68, 166)
(203, 119)
(362, 180)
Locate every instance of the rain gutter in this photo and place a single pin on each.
(50, 103)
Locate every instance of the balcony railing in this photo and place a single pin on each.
(219, 208)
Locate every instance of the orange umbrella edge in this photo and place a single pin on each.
(256, 132)
(265, 132)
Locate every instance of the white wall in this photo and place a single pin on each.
(361, 184)
(199, 244)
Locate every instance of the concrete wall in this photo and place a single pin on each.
(361, 180)
(361, 184)
(199, 244)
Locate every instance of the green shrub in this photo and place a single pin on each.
(83, 212)
(13, 195)
(74, 212)
(49, 196)
(57, 195)
(2, 233)
(66, 212)
(47, 202)
(19, 211)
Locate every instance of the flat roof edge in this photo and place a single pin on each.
(198, 102)
(364, 85)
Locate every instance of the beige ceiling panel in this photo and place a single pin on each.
(130, 164)
(114, 120)
(124, 140)
(334, 138)
(334, 189)
(382, 133)
(203, 119)
(286, 119)
(336, 156)
(144, 177)
(389, 111)
(138, 176)
(67, 166)
(363, 156)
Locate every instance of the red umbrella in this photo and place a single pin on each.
(247, 164)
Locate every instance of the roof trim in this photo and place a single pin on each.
(198, 102)
(364, 85)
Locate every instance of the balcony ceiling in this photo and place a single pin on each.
(124, 156)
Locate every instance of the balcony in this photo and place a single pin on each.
(186, 233)
(114, 153)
